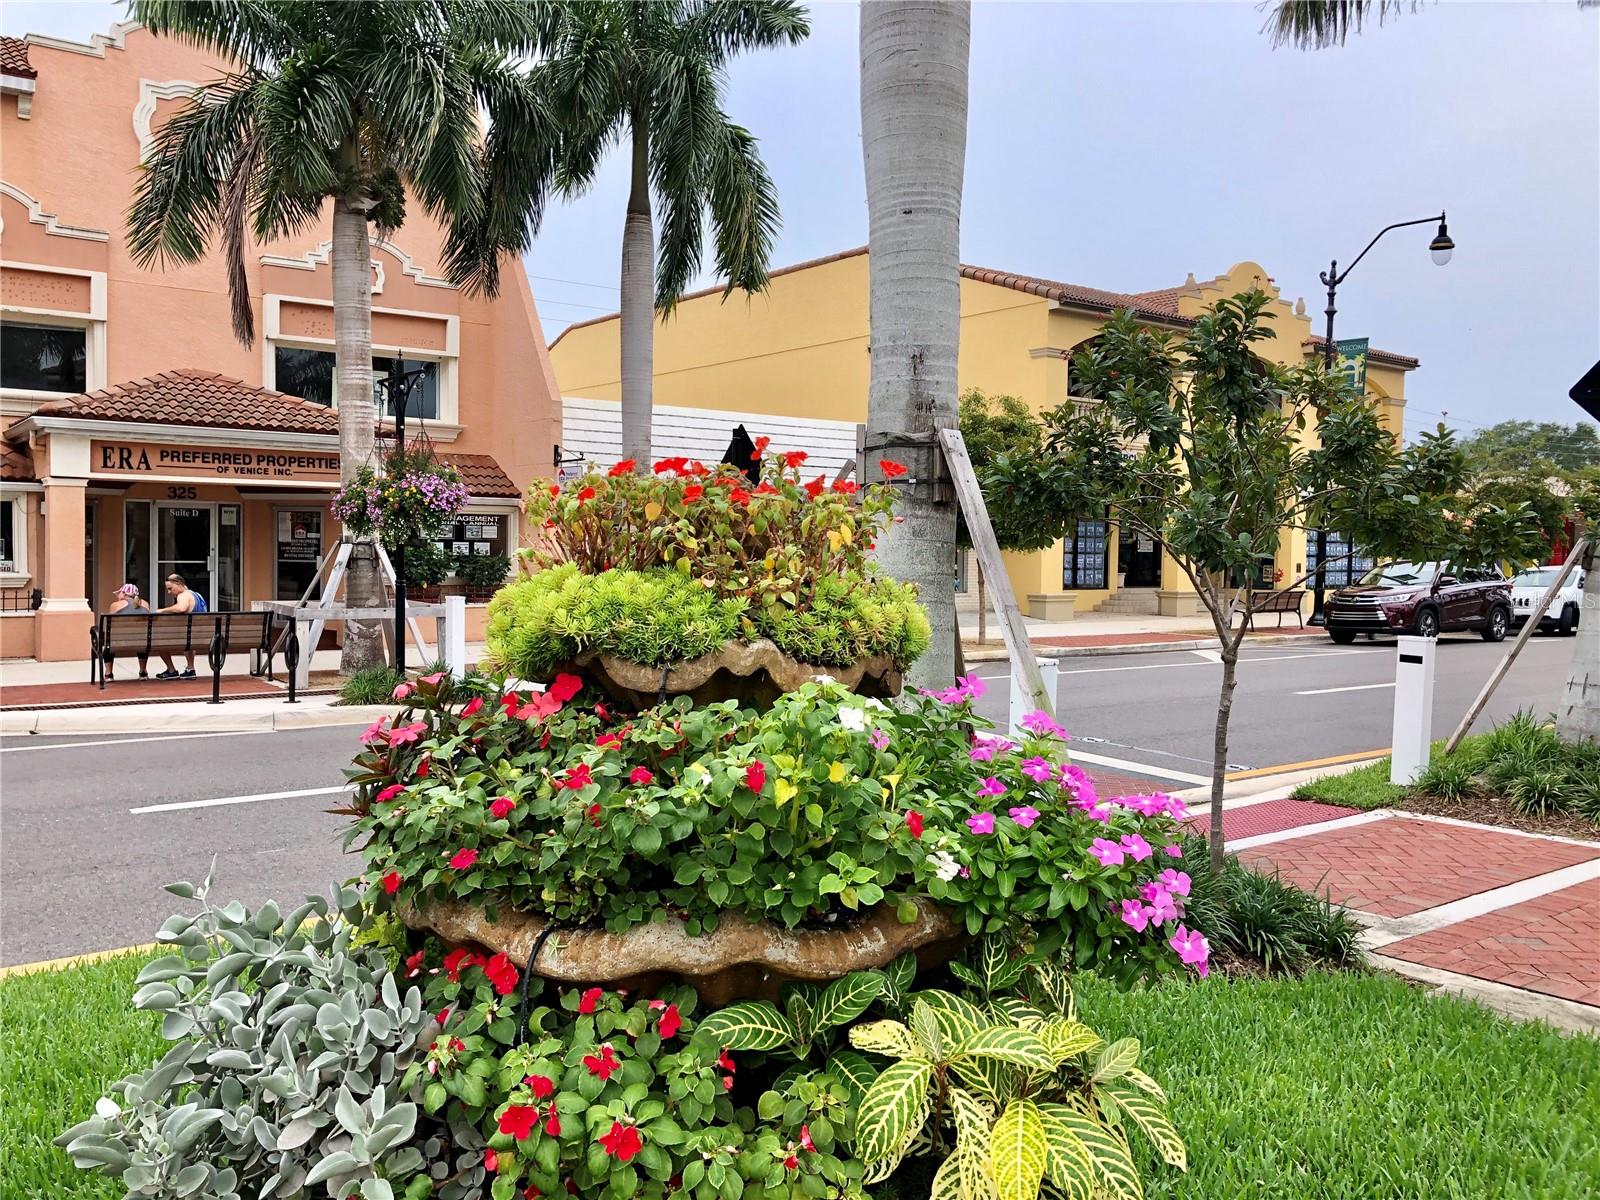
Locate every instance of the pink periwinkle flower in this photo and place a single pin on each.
(1041, 723)
(981, 823)
(991, 787)
(1025, 815)
(1162, 907)
(1193, 949)
(1038, 769)
(1108, 852)
(1173, 850)
(1076, 780)
(1175, 881)
(1138, 849)
(1134, 916)
(879, 739)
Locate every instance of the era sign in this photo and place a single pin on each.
(153, 460)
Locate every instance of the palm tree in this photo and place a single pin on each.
(914, 137)
(1314, 24)
(360, 104)
(654, 74)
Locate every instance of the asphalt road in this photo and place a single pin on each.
(92, 827)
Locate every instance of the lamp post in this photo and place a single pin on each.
(397, 386)
(1439, 249)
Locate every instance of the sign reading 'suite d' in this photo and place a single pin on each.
(153, 460)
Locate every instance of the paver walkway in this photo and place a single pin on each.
(1512, 908)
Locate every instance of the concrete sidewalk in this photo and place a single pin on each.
(1113, 633)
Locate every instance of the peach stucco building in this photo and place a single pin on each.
(140, 437)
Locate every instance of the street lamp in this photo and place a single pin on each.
(398, 385)
(1440, 249)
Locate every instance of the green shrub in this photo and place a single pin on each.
(1266, 915)
(1537, 791)
(482, 570)
(375, 685)
(1447, 778)
(427, 564)
(1331, 936)
(659, 617)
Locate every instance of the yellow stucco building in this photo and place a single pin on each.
(800, 349)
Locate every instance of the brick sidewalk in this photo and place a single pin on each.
(1517, 909)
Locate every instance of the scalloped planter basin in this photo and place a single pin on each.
(739, 960)
(754, 673)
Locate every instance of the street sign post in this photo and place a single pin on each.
(1413, 709)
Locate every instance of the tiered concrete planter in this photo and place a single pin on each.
(740, 960)
(755, 673)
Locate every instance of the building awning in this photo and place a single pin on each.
(192, 397)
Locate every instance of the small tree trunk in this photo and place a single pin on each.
(983, 609)
(914, 56)
(1579, 717)
(352, 349)
(638, 304)
(1219, 749)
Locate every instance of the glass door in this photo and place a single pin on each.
(185, 546)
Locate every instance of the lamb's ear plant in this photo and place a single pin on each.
(283, 1080)
(1012, 1098)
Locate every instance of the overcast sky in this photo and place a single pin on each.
(1121, 145)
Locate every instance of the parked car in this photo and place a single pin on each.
(1421, 598)
(1528, 588)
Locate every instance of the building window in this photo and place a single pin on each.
(44, 358)
(10, 544)
(1344, 568)
(309, 375)
(1083, 556)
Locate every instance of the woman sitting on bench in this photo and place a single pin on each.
(126, 599)
(183, 601)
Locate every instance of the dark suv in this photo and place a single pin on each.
(1425, 599)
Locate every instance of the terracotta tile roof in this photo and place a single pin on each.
(483, 475)
(190, 397)
(16, 464)
(14, 58)
(1404, 361)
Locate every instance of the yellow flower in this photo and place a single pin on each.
(836, 772)
(892, 780)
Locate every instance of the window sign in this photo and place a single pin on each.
(299, 539)
(475, 533)
(1083, 556)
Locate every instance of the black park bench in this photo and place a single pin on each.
(1287, 601)
(218, 634)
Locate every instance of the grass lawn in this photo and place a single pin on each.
(1365, 787)
(1330, 1086)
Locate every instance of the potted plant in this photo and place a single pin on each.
(698, 581)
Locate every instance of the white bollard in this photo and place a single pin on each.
(1021, 702)
(454, 635)
(1412, 738)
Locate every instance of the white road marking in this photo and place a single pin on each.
(1101, 760)
(218, 801)
(1355, 687)
(1210, 656)
(166, 737)
(1207, 662)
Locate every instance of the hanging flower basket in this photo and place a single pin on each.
(412, 498)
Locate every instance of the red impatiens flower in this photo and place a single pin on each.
(491, 1161)
(593, 813)
(501, 806)
(577, 777)
(622, 1143)
(699, 470)
(891, 469)
(608, 741)
(623, 466)
(555, 490)
(845, 487)
(391, 883)
(442, 1016)
(457, 961)
(502, 974)
(765, 489)
(511, 701)
(424, 767)
(542, 1086)
(806, 1143)
(725, 1061)
(565, 687)
(518, 1120)
(676, 465)
(641, 776)
(791, 1163)
(604, 1064)
(815, 487)
(671, 1021)
(473, 707)
(552, 1121)
(402, 734)
(738, 496)
(414, 964)
(692, 493)
(755, 776)
(590, 1000)
(585, 494)
(793, 458)
(389, 793)
(914, 823)
(463, 858)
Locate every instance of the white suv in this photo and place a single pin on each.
(1529, 587)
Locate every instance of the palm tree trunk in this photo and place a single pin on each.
(914, 56)
(638, 304)
(352, 348)
(1579, 718)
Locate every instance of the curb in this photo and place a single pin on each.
(999, 654)
(127, 719)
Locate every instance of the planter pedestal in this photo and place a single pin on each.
(740, 960)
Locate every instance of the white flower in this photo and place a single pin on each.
(945, 865)
(107, 1108)
(873, 702)
(824, 679)
(852, 719)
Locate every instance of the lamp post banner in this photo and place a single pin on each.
(1351, 362)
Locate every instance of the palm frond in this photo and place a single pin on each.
(744, 210)
(236, 194)
(719, 29)
(1315, 24)
(255, 32)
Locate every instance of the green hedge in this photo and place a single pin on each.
(658, 617)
